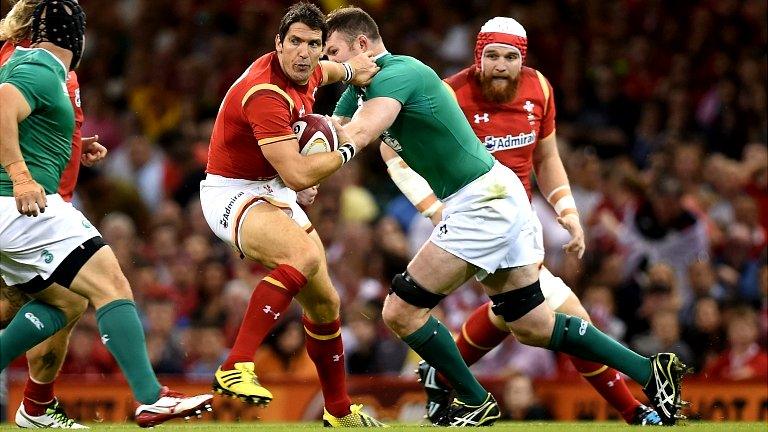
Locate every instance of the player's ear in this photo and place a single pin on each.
(278, 45)
(362, 41)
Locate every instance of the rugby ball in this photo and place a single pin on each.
(315, 134)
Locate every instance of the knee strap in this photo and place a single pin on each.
(515, 304)
(412, 293)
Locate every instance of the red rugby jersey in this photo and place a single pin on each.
(510, 131)
(69, 175)
(257, 110)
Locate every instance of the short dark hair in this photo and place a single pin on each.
(305, 13)
(353, 21)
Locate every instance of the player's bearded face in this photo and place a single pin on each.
(500, 75)
(299, 52)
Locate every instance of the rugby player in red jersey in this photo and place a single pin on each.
(249, 200)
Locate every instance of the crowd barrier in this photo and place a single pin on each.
(401, 398)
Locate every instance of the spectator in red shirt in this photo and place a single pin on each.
(744, 359)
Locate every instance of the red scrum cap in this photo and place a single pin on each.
(501, 31)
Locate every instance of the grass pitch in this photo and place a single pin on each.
(501, 426)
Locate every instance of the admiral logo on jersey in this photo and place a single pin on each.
(493, 144)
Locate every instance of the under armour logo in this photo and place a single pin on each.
(104, 339)
(482, 118)
(337, 357)
(528, 106)
(268, 310)
(615, 379)
(34, 320)
(301, 111)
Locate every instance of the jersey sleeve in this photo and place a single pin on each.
(391, 82)
(548, 119)
(36, 82)
(347, 104)
(269, 114)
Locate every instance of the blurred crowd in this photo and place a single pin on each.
(661, 120)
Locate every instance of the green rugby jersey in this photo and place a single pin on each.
(430, 133)
(45, 136)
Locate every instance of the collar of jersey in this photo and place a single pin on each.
(380, 55)
(49, 53)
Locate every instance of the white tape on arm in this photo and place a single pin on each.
(413, 186)
(562, 201)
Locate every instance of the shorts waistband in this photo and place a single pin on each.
(217, 180)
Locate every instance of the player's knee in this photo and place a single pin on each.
(305, 258)
(515, 304)
(531, 334)
(573, 307)
(395, 319)
(406, 303)
(79, 307)
(324, 308)
(117, 286)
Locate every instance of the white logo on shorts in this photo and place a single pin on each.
(34, 320)
(337, 357)
(583, 328)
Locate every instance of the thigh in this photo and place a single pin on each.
(510, 279)
(101, 280)
(269, 236)
(439, 271)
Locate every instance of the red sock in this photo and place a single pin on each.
(478, 336)
(610, 384)
(37, 397)
(270, 298)
(327, 352)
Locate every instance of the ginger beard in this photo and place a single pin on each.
(498, 88)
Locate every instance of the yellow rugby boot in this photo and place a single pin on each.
(356, 418)
(241, 383)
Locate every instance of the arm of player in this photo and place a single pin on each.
(300, 172)
(412, 185)
(371, 120)
(14, 108)
(553, 184)
(359, 70)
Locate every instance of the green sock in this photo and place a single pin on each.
(434, 344)
(35, 322)
(579, 338)
(121, 332)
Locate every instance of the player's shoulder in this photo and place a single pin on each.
(43, 62)
(533, 83)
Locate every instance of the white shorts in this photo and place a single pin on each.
(556, 292)
(36, 246)
(489, 223)
(225, 202)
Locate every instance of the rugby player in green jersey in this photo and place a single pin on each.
(486, 229)
(48, 249)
